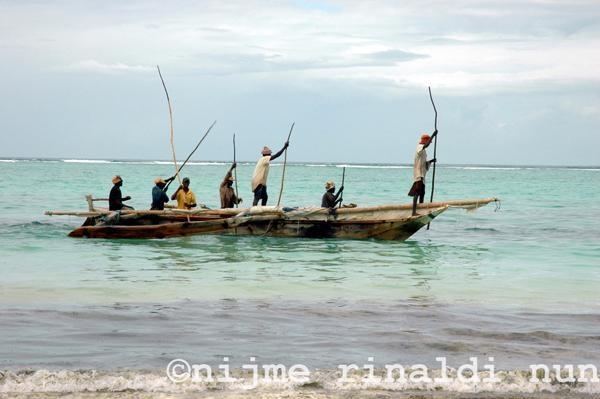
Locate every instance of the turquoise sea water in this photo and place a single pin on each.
(521, 283)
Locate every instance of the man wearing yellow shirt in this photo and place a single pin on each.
(184, 196)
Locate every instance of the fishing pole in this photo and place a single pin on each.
(434, 148)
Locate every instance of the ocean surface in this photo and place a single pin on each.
(520, 284)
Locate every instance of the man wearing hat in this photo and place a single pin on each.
(228, 197)
(115, 198)
(261, 173)
(417, 191)
(186, 199)
(159, 195)
(331, 200)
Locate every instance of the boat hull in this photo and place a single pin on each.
(363, 225)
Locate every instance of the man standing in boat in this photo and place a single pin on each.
(159, 195)
(226, 191)
(186, 199)
(261, 174)
(330, 200)
(421, 166)
(115, 198)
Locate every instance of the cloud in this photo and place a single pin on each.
(394, 56)
(464, 45)
(94, 66)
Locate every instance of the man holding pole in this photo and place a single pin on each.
(261, 174)
(421, 166)
(226, 191)
(331, 200)
(186, 199)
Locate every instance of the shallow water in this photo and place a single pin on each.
(520, 284)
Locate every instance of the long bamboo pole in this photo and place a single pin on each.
(343, 179)
(284, 165)
(172, 133)
(235, 174)
(192, 153)
(434, 148)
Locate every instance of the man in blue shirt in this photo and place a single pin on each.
(159, 195)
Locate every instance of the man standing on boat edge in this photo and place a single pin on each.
(261, 174)
(421, 166)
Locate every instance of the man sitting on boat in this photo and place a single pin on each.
(421, 166)
(228, 197)
(331, 200)
(186, 199)
(159, 195)
(261, 173)
(115, 198)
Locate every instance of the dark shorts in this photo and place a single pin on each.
(417, 189)
(260, 195)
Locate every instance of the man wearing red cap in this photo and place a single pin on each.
(261, 173)
(417, 191)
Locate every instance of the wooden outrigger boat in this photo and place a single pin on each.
(387, 222)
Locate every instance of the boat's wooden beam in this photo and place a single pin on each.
(272, 212)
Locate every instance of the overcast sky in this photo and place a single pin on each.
(515, 82)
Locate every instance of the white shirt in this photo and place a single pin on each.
(421, 166)
(261, 172)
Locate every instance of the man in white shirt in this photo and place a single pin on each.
(421, 166)
(261, 174)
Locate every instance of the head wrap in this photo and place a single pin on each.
(425, 139)
(329, 185)
(159, 180)
(116, 179)
(266, 151)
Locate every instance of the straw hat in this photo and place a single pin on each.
(266, 151)
(116, 179)
(159, 180)
(425, 139)
(329, 185)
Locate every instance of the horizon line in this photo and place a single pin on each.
(330, 163)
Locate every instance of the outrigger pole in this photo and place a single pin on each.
(284, 164)
(434, 148)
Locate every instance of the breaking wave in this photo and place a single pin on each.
(65, 381)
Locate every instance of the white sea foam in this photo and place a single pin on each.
(357, 166)
(8, 160)
(85, 161)
(489, 167)
(374, 166)
(63, 381)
